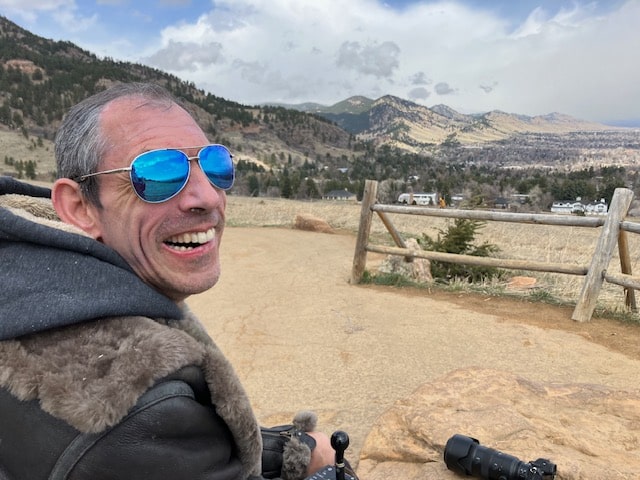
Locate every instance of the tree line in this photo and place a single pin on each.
(397, 172)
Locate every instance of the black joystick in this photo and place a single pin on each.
(340, 442)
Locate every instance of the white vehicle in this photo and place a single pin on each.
(418, 199)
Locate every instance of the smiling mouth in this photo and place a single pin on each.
(191, 240)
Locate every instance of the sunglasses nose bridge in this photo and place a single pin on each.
(191, 170)
(190, 160)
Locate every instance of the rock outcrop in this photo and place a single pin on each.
(310, 223)
(588, 431)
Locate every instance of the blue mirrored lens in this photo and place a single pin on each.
(217, 164)
(158, 175)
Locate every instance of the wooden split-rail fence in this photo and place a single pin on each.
(613, 233)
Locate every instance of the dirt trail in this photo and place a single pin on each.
(301, 337)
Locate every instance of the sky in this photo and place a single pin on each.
(529, 57)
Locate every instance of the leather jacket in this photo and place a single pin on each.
(101, 377)
(168, 434)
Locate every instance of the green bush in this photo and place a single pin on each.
(458, 238)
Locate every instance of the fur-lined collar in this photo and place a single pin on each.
(92, 374)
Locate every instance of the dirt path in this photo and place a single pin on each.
(301, 337)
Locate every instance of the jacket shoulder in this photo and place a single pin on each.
(91, 375)
(169, 433)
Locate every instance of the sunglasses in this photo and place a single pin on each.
(159, 175)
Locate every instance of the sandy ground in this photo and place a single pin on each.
(301, 337)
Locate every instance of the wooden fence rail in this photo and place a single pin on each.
(614, 232)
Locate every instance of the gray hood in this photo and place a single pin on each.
(53, 275)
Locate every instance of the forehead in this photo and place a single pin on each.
(137, 115)
(132, 125)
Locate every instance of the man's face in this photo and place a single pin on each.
(174, 245)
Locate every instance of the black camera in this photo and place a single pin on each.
(465, 455)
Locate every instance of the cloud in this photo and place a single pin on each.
(36, 5)
(253, 72)
(443, 88)
(330, 50)
(29, 10)
(419, 93)
(335, 49)
(74, 23)
(488, 88)
(187, 56)
(420, 78)
(379, 60)
(175, 3)
(578, 60)
(576, 64)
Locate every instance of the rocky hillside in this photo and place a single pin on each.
(40, 79)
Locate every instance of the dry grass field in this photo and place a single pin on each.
(556, 244)
(17, 147)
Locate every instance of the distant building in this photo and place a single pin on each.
(457, 199)
(514, 199)
(418, 198)
(501, 203)
(339, 195)
(520, 198)
(567, 206)
(596, 208)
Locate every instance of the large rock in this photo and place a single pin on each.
(589, 431)
(310, 223)
(418, 270)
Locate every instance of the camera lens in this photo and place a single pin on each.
(465, 455)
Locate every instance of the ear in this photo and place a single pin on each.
(73, 208)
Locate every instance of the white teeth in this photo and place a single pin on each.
(185, 241)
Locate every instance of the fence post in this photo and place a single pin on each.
(607, 241)
(625, 267)
(366, 215)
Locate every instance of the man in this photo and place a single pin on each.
(104, 372)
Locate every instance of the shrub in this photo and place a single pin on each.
(458, 238)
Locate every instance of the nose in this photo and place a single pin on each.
(199, 193)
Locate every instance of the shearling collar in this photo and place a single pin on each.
(91, 375)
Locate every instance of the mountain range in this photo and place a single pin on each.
(407, 125)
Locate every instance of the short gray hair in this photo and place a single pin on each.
(80, 143)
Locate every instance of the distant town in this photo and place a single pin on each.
(572, 207)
